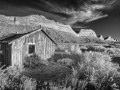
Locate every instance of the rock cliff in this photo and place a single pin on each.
(109, 39)
(35, 20)
(101, 37)
(87, 32)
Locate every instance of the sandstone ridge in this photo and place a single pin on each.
(109, 39)
(87, 33)
(35, 20)
(101, 37)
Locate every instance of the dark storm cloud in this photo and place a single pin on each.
(64, 11)
(109, 26)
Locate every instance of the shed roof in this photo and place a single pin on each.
(6, 29)
(10, 37)
(23, 30)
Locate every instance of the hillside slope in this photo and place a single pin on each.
(31, 21)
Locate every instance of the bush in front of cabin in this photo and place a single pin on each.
(73, 57)
(66, 61)
(11, 79)
(32, 61)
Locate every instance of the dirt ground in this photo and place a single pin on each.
(48, 72)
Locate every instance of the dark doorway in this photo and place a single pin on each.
(5, 55)
(116, 60)
(1, 59)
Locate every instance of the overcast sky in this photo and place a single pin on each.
(103, 16)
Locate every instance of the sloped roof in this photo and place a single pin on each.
(10, 37)
(12, 32)
(6, 29)
(13, 36)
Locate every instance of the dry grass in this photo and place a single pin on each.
(10, 78)
(96, 69)
(92, 71)
(48, 72)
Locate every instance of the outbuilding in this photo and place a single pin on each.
(15, 47)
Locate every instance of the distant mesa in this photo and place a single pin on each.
(109, 39)
(100, 37)
(87, 33)
(116, 40)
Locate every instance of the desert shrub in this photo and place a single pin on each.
(92, 70)
(73, 56)
(56, 57)
(32, 61)
(6, 75)
(117, 51)
(75, 49)
(11, 79)
(96, 69)
(96, 48)
(109, 51)
(66, 61)
(112, 51)
(83, 48)
(100, 62)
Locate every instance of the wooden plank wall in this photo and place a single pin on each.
(6, 54)
(44, 47)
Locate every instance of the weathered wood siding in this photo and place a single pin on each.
(5, 57)
(44, 47)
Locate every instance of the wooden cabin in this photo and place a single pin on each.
(42, 41)
(17, 46)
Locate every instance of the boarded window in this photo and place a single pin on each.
(31, 48)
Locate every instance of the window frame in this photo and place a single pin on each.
(28, 48)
